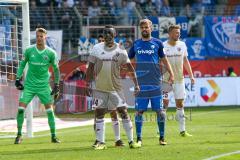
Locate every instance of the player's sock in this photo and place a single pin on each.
(20, 119)
(51, 121)
(116, 129)
(100, 130)
(128, 127)
(161, 121)
(181, 119)
(138, 123)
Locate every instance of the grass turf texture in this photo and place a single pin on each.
(216, 130)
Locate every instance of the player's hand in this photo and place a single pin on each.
(19, 85)
(171, 79)
(136, 90)
(55, 91)
(192, 80)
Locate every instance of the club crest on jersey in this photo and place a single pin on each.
(152, 46)
(45, 57)
(179, 49)
(102, 53)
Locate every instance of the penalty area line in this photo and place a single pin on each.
(222, 155)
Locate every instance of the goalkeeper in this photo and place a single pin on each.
(39, 58)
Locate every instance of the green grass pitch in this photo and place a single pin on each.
(216, 131)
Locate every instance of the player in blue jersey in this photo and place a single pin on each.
(148, 52)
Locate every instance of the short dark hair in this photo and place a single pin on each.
(174, 26)
(100, 36)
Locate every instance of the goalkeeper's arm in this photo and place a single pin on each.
(56, 88)
(22, 66)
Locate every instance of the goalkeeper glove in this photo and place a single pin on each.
(18, 84)
(55, 91)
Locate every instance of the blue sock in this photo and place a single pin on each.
(161, 121)
(138, 123)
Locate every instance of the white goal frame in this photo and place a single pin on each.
(25, 44)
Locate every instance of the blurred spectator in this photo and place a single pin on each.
(128, 44)
(100, 38)
(110, 13)
(209, 7)
(165, 10)
(66, 23)
(37, 16)
(186, 10)
(43, 3)
(94, 12)
(148, 7)
(231, 6)
(131, 11)
(196, 19)
(82, 6)
(123, 14)
(231, 72)
(176, 5)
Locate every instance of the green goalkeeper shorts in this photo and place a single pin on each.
(44, 94)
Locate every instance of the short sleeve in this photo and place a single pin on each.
(92, 56)
(124, 57)
(160, 50)
(131, 53)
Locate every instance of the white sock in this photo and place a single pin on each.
(100, 130)
(128, 127)
(116, 129)
(181, 119)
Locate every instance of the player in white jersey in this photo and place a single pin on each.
(105, 61)
(176, 52)
(114, 118)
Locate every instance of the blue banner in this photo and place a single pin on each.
(155, 23)
(183, 22)
(222, 36)
(196, 48)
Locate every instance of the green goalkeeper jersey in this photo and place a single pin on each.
(39, 62)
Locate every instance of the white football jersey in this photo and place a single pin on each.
(107, 66)
(175, 55)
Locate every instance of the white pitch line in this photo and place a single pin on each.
(222, 155)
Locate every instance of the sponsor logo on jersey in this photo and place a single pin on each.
(149, 52)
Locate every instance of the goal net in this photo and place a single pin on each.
(14, 38)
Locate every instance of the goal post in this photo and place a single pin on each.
(22, 36)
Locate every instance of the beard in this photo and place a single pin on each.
(109, 40)
(145, 34)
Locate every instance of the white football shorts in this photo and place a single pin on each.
(177, 88)
(109, 100)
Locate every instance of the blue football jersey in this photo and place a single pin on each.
(147, 55)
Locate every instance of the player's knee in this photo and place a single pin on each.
(100, 113)
(47, 106)
(113, 115)
(179, 103)
(165, 103)
(21, 104)
(162, 114)
(139, 113)
(123, 112)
